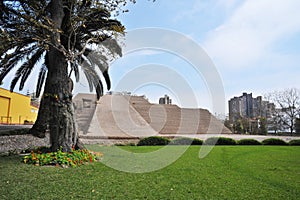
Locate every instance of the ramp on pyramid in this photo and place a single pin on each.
(114, 117)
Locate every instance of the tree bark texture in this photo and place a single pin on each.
(63, 130)
(41, 124)
(62, 125)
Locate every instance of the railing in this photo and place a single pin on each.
(5, 120)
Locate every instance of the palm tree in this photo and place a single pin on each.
(58, 38)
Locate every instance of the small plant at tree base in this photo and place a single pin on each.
(42, 149)
(186, 141)
(248, 142)
(153, 141)
(60, 158)
(219, 141)
(273, 141)
(294, 142)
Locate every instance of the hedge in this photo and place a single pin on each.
(273, 141)
(248, 142)
(186, 141)
(219, 141)
(294, 142)
(153, 141)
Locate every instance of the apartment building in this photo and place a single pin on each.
(246, 106)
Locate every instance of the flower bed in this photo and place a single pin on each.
(59, 158)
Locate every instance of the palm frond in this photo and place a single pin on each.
(41, 80)
(89, 79)
(74, 68)
(89, 60)
(107, 80)
(10, 44)
(5, 69)
(25, 69)
(86, 70)
(22, 49)
(113, 46)
(99, 89)
(9, 61)
(30, 65)
(25, 34)
(93, 78)
(100, 61)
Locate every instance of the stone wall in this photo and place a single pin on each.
(108, 142)
(17, 143)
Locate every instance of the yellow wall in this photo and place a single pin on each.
(15, 108)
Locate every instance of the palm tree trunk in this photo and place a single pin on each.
(41, 124)
(62, 125)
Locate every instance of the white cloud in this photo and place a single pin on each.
(249, 34)
(228, 4)
(189, 10)
(196, 11)
(147, 52)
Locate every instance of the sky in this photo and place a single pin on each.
(191, 50)
(254, 45)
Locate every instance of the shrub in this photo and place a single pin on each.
(219, 141)
(186, 141)
(248, 142)
(273, 141)
(153, 141)
(197, 142)
(294, 142)
(60, 158)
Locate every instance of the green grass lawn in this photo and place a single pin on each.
(228, 172)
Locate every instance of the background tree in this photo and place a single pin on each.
(288, 107)
(263, 127)
(229, 124)
(241, 126)
(254, 126)
(64, 35)
(297, 126)
(274, 122)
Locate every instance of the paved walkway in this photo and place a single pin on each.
(13, 127)
(238, 136)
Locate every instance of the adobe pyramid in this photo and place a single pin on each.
(126, 116)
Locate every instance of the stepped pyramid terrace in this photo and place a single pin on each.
(125, 116)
